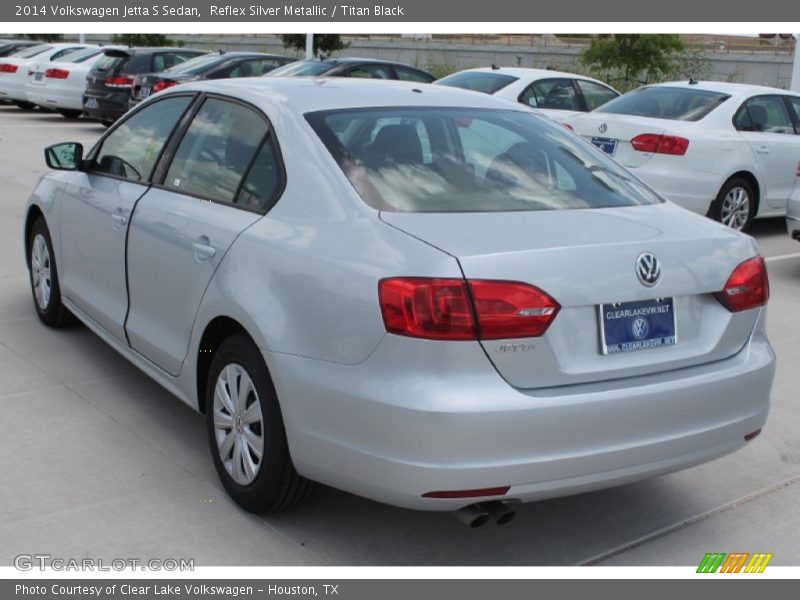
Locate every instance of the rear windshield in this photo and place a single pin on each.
(196, 65)
(32, 51)
(664, 102)
(471, 160)
(305, 68)
(109, 63)
(488, 83)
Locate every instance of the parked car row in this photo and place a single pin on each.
(728, 151)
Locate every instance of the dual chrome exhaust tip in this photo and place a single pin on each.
(478, 515)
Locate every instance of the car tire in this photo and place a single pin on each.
(71, 114)
(239, 429)
(24, 105)
(735, 205)
(43, 275)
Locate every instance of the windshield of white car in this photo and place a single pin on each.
(478, 81)
(666, 102)
(31, 51)
(425, 159)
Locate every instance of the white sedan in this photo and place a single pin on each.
(558, 95)
(730, 151)
(59, 85)
(14, 69)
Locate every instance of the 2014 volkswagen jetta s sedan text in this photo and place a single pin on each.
(418, 294)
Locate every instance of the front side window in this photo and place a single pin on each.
(595, 94)
(478, 81)
(216, 151)
(764, 114)
(557, 94)
(473, 160)
(666, 102)
(131, 150)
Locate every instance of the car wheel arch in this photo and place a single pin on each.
(34, 212)
(753, 180)
(216, 331)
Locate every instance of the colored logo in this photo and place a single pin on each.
(736, 562)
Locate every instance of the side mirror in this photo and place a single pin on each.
(67, 156)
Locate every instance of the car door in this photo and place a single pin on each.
(765, 124)
(185, 224)
(98, 204)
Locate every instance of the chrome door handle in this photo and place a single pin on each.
(763, 150)
(203, 251)
(119, 220)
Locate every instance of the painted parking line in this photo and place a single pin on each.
(782, 257)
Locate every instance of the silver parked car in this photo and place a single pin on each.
(418, 294)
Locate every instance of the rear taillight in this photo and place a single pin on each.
(455, 309)
(56, 73)
(162, 85)
(747, 287)
(8, 68)
(660, 144)
(119, 81)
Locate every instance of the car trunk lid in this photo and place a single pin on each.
(587, 258)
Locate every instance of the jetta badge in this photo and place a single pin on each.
(648, 269)
(603, 127)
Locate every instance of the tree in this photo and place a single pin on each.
(629, 57)
(144, 39)
(324, 43)
(43, 37)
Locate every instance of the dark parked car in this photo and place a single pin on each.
(9, 47)
(368, 68)
(110, 82)
(219, 65)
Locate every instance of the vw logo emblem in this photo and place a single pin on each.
(648, 269)
(603, 128)
(640, 328)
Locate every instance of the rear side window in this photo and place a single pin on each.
(131, 150)
(665, 102)
(558, 94)
(794, 102)
(595, 94)
(371, 72)
(408, 74)
(303, 68)
(488, 83)
(471, 160)
(764, 114)
(217, 151)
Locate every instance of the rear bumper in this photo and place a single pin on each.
(412, 419)
(110, 107)
(55, 100)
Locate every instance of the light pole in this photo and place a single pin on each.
(795, 84)
(309, 45)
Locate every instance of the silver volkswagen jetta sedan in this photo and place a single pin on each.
(417, 294)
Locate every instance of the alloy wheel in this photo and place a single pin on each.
(735, 210)
(40, 271)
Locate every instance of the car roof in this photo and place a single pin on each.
(154, 49)
(245, 53)
(300, 95)
(347, 60)
(725, 87)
